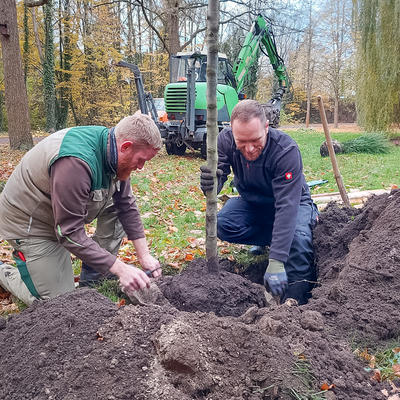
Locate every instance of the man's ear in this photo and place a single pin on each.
(126, 145)
(267, 124)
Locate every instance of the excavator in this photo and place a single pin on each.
(185, 95)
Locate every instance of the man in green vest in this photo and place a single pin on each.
(67, 180)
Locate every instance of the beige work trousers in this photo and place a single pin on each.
(49, 263)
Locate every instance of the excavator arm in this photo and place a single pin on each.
(259, 37)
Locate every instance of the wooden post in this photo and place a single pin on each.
(332, 155)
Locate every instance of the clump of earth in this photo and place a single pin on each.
(217, 337)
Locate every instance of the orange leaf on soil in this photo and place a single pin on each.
(372, 362)
(396, 350)
(326, 386)
(173, 265)
(121, 303)
(396, 369)
(189, 257)
(367, 357)
(377, 376)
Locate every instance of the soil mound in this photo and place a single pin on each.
(81, 346)
(224, 294)
(359, 269)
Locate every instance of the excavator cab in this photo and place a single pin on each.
(181, 63)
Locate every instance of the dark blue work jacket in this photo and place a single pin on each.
(274, 180)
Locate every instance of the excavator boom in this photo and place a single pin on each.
(259, 37)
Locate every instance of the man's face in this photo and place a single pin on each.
(132, 157)
(250, 137)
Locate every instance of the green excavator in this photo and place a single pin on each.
(185, 95)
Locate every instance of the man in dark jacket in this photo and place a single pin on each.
(274, 207)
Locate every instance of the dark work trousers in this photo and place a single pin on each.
(246, 223)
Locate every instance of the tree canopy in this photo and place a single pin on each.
(378, 71)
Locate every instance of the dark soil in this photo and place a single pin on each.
(224, 294)
(218, 339)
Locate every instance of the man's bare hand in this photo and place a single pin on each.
(130, 277)
(151, 264)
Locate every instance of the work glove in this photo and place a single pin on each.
(275, 277)
(207, 179)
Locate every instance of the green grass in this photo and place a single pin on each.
(110, 288)
(386, 358)
(303, 373)
(359, 171)
(171, 204)
(372, 143)
(383, 358)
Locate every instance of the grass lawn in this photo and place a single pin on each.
(359, 171)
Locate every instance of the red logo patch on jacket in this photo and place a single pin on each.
(288, 176)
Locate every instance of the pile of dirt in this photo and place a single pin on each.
(82, 346)
(225, 294)
(359, 265)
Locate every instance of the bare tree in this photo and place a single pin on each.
(212, 133)
(310, 63)
(338, 47)
(16, 99)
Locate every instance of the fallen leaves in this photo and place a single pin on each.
(189, 257)
(121, 303)
(377, 376)
(366, 357)
(6, 252)
(384, 366)
(172, 228)
(326, 386)
(6, 303)
(392, 395)
(8, 161)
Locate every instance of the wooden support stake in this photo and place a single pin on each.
(332, 155)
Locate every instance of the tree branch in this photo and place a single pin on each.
(35, 3)
(153, 27)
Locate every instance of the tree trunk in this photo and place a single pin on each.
(36, 32)
(26, 43)
(308, 110)
(172, 28)
(48, 69)
(310, 68)
(131, 50)
(16, 99)
(212, 133)
(2, 115)
(64, 92)
(336, 112)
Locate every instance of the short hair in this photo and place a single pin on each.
(246, 110)
(141, 129)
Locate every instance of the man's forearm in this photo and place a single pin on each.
(146, 260)
(142, 249)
